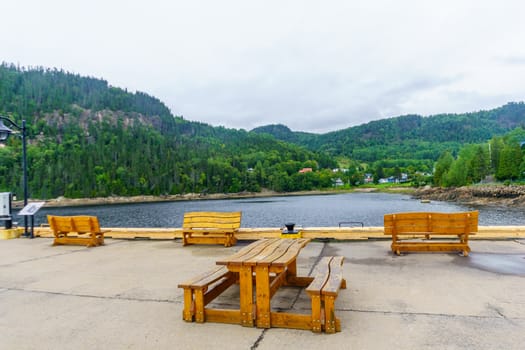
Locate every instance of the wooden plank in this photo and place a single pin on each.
(275, 251)
(321, 276)
(205, 278)
(247, 253)
(291, 253)
(421, 246)
(292, 321)
(206, 239)
(222, 316)
(334, 282)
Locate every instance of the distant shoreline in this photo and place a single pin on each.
(68, 202)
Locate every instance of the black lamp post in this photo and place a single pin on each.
(4, 134)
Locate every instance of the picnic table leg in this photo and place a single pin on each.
(291, 273)
(262, 288)
(246, 295)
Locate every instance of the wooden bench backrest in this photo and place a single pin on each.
(212, 220)
(431, 223)
(79, 224)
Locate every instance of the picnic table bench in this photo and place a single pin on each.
(453, 229)
(201, 290)
(323, 291)
(210, 228)
(260, 269)
(70, 230)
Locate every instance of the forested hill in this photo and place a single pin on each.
(410, 136)
(89, 139)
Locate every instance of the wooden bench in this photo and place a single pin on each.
(201, 290)
(323, 291)
(211, 228)
(455, 226)
(69, 230)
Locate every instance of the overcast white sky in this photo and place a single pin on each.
(314, 66)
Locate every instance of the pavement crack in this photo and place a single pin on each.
(117, 297)
(259, 339)
(386, 312)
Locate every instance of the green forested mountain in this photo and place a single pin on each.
(410, 136)
(87, 139)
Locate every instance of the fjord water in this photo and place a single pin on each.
(305, 211)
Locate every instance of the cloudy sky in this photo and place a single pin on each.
(312, 65)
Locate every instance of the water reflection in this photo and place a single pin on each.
(306, 211)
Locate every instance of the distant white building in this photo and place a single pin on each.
(338, 182)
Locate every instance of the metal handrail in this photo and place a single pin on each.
(351, 222)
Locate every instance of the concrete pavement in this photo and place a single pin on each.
(124, 295)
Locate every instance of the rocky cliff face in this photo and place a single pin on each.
(512, 195)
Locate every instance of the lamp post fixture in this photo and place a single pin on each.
(5, 132)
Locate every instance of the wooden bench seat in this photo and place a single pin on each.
(71, 230)
(323, 291)
(453, 229)
(201, 290)
(211, 228)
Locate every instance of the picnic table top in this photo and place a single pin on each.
(276, 252)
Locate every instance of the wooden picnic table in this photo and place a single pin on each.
(271, 263)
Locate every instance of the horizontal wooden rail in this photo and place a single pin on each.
(341, 233)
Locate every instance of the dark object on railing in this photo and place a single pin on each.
(351, 223)
(290, 226)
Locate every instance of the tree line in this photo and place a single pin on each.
(502, 157)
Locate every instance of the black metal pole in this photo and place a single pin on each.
(24, 160)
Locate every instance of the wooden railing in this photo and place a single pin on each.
(341, 233)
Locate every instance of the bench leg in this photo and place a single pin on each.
(228, 240)
(199, 306)
(188, 311)
(316, 313)
(329, 314)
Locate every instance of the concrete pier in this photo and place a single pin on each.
(124, 295)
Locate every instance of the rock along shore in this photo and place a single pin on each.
(497, 195)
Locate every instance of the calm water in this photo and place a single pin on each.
(306, 211)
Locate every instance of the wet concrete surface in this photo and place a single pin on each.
(506, 264)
